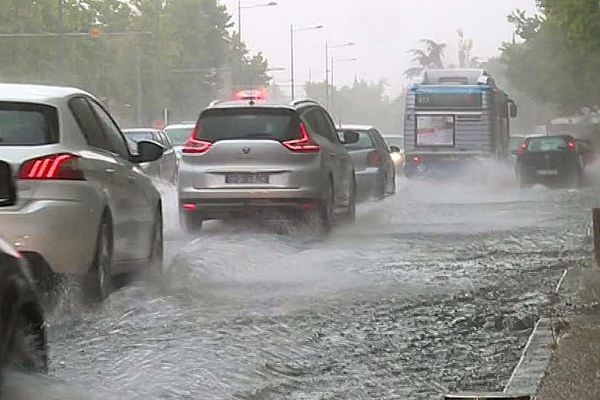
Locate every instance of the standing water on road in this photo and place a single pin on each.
(434, 290)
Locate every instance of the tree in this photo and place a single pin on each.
(188, 60)
(430, 56)
(348, 104)
(549, 66)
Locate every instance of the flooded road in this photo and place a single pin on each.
(434, 290)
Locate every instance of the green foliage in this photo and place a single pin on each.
(430, 56)
(362, 103)
(549, 65)
(189, 58)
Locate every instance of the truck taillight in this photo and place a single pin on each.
(52, 167)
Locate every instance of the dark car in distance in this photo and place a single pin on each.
(552, 160)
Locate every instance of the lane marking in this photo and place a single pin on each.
(521, 360)
(560, 282)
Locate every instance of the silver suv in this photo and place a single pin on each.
(251, 156)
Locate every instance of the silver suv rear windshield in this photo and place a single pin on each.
(27, 124)
(249, 124)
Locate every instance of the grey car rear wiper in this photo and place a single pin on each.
(264, 135)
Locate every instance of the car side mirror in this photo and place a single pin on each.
(512, 108)
(350, 137)
(394, 149)
(148, 151)
(8, 190)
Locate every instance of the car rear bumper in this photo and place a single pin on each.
(62, 232)
(227, 208)
(432, 165)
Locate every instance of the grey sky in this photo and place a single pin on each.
(383, 31)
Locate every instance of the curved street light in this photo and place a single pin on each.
(292, 31)
(327, 47)
(241, 7)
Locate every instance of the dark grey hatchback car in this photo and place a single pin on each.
(23, 343)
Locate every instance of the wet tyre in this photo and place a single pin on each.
(191, 223)
(157, 253)
(97, 284)
(23, 344)
(349, 215)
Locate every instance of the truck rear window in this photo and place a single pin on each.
(249, 124)
(27, 124)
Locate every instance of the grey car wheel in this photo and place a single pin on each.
(350, 214)
(98, 285)
(191, 222)
(156, 258)
(326, 210)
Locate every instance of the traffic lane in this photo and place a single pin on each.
(386, 308)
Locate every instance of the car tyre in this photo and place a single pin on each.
(325, 211)
(192, 223)
(380, 190)
(98, 282)
(23, 343)
(157, 252)
(349, 215)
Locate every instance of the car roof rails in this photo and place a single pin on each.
(300, 102)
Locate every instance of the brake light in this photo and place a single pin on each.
(195, 145)
(56, 166)
(303, 145)
(572, 146)
(190, 207)
(523, 148)
(417, 159)
(374, 159)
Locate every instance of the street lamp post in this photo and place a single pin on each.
(292, 66)
(241, 7)
(327, 47)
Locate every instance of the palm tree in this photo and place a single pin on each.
(430, 56)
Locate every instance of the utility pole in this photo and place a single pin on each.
(292, 62)
(240, 23)
(326, 75)
(62, 45)
(139, 95)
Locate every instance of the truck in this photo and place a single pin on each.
(454, 116)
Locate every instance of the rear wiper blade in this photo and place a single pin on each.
(259, 135)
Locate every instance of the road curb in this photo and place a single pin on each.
(529, 372)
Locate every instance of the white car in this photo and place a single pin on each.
(179, 134)
(84, 207)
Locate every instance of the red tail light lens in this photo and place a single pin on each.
(374, 159)
(572, 146)
(56, 166)
(303, 145)
(523, 148)
(417, 160)
(195, 145)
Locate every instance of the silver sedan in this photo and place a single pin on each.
(84, 207)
